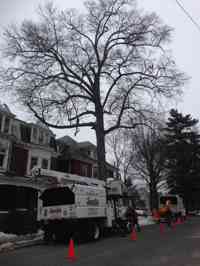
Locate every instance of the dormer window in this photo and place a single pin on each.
(91, 154)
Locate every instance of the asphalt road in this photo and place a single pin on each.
(175, 247)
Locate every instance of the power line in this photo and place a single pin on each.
(188, 14)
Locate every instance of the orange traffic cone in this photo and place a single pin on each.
(133, 235)
(162, 228)
(71, 252)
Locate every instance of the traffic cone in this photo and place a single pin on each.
(178, 220)
(162, 228)
(133, 235)
(71, 253)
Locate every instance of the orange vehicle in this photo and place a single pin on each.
(163, 214)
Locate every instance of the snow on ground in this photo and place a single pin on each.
(8, 241)
(7, 237)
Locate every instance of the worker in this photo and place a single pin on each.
(132, 217)
(168, 213)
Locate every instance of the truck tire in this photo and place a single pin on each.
(59, 237)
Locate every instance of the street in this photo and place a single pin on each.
(175, 247)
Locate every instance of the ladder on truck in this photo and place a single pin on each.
(63, 179)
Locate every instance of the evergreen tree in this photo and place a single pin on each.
(183, 153)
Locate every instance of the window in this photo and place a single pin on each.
(84, 170)
(19, 159)
(45, 163)
(52, 143)
(41, 137)
(2, 155)
(95, 172)
(25, 133)
(46, 138)
(34, 162)
(14, 131)
(34, 132)
(6, 125)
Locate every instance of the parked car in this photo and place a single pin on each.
(194, 212)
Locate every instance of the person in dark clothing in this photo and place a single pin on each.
(132, 217)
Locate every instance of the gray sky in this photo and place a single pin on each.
(185, 44)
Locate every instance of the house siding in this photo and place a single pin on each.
(81, 168)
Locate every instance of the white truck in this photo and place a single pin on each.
(74, 205)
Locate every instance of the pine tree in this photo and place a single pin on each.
(183, 155)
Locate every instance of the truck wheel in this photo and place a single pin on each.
(58, 237)
(95, 232)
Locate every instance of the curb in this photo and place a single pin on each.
(28, 243)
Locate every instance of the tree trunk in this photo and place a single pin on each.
(153, 196)
(100, 137)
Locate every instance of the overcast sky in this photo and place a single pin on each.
(185, 44)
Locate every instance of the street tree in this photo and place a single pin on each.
(148, 158)
(118, 143)
(183, 156)
(75, 70)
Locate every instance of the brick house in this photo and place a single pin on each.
(78, 158)
(22, 146)
(25, 145)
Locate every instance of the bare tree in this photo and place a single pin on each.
(149, 155)
(79, 70)
(119, 145)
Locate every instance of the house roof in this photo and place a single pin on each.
(67, 140)
(5, 109)
(75, 150)
(85, 144)
(42, 125)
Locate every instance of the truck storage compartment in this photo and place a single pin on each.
(57, 196)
